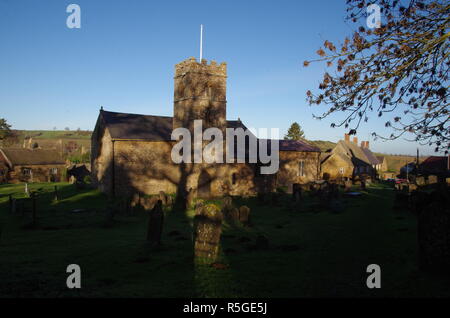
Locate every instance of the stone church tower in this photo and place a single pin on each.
(200, 93)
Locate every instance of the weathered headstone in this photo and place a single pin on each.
(244, 215)
(227, 202)
(432, 179)
(207, 232)
(155, 224)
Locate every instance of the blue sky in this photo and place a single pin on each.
(123, 58)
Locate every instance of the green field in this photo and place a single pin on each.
(312, 252)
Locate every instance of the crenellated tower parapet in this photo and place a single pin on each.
(200, 93)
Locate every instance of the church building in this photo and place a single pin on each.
(132, 153)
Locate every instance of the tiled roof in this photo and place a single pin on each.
(145, 127)
(297, 145)
(434, 164)
(24, 156)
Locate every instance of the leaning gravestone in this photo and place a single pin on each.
(207, 232)
(244, 214)
(155, 224)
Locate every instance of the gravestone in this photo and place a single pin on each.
(136, 200)
(412, 187)
(148, 203)
(207, 232)
(234, 214)
(227, 202)
(420, 181)
(296, 192)
(155, 224)
(227, 206)
(363, 185)
(432, 179)
(244, 215)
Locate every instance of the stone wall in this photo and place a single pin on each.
(289, 169)
(101, 158)
(39, 173)
(332, 167)
(147, 167)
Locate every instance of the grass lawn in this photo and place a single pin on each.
(312, 252)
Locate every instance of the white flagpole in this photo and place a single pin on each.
(201, 42)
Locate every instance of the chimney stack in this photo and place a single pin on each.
(347, 137)
(363, 144)
(367, 144)
(355, 140)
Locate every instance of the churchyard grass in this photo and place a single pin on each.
(312, 252)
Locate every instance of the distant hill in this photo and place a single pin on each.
(74, 145)
(54, 134)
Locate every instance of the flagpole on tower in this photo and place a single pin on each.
(201, 42)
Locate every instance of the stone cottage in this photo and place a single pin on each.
(132, 153)
(30, 165)
(347, 160)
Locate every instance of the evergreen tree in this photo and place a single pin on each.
(295, 132)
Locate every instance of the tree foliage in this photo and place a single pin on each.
(5, 128)
(398, 71)
(295, 132)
